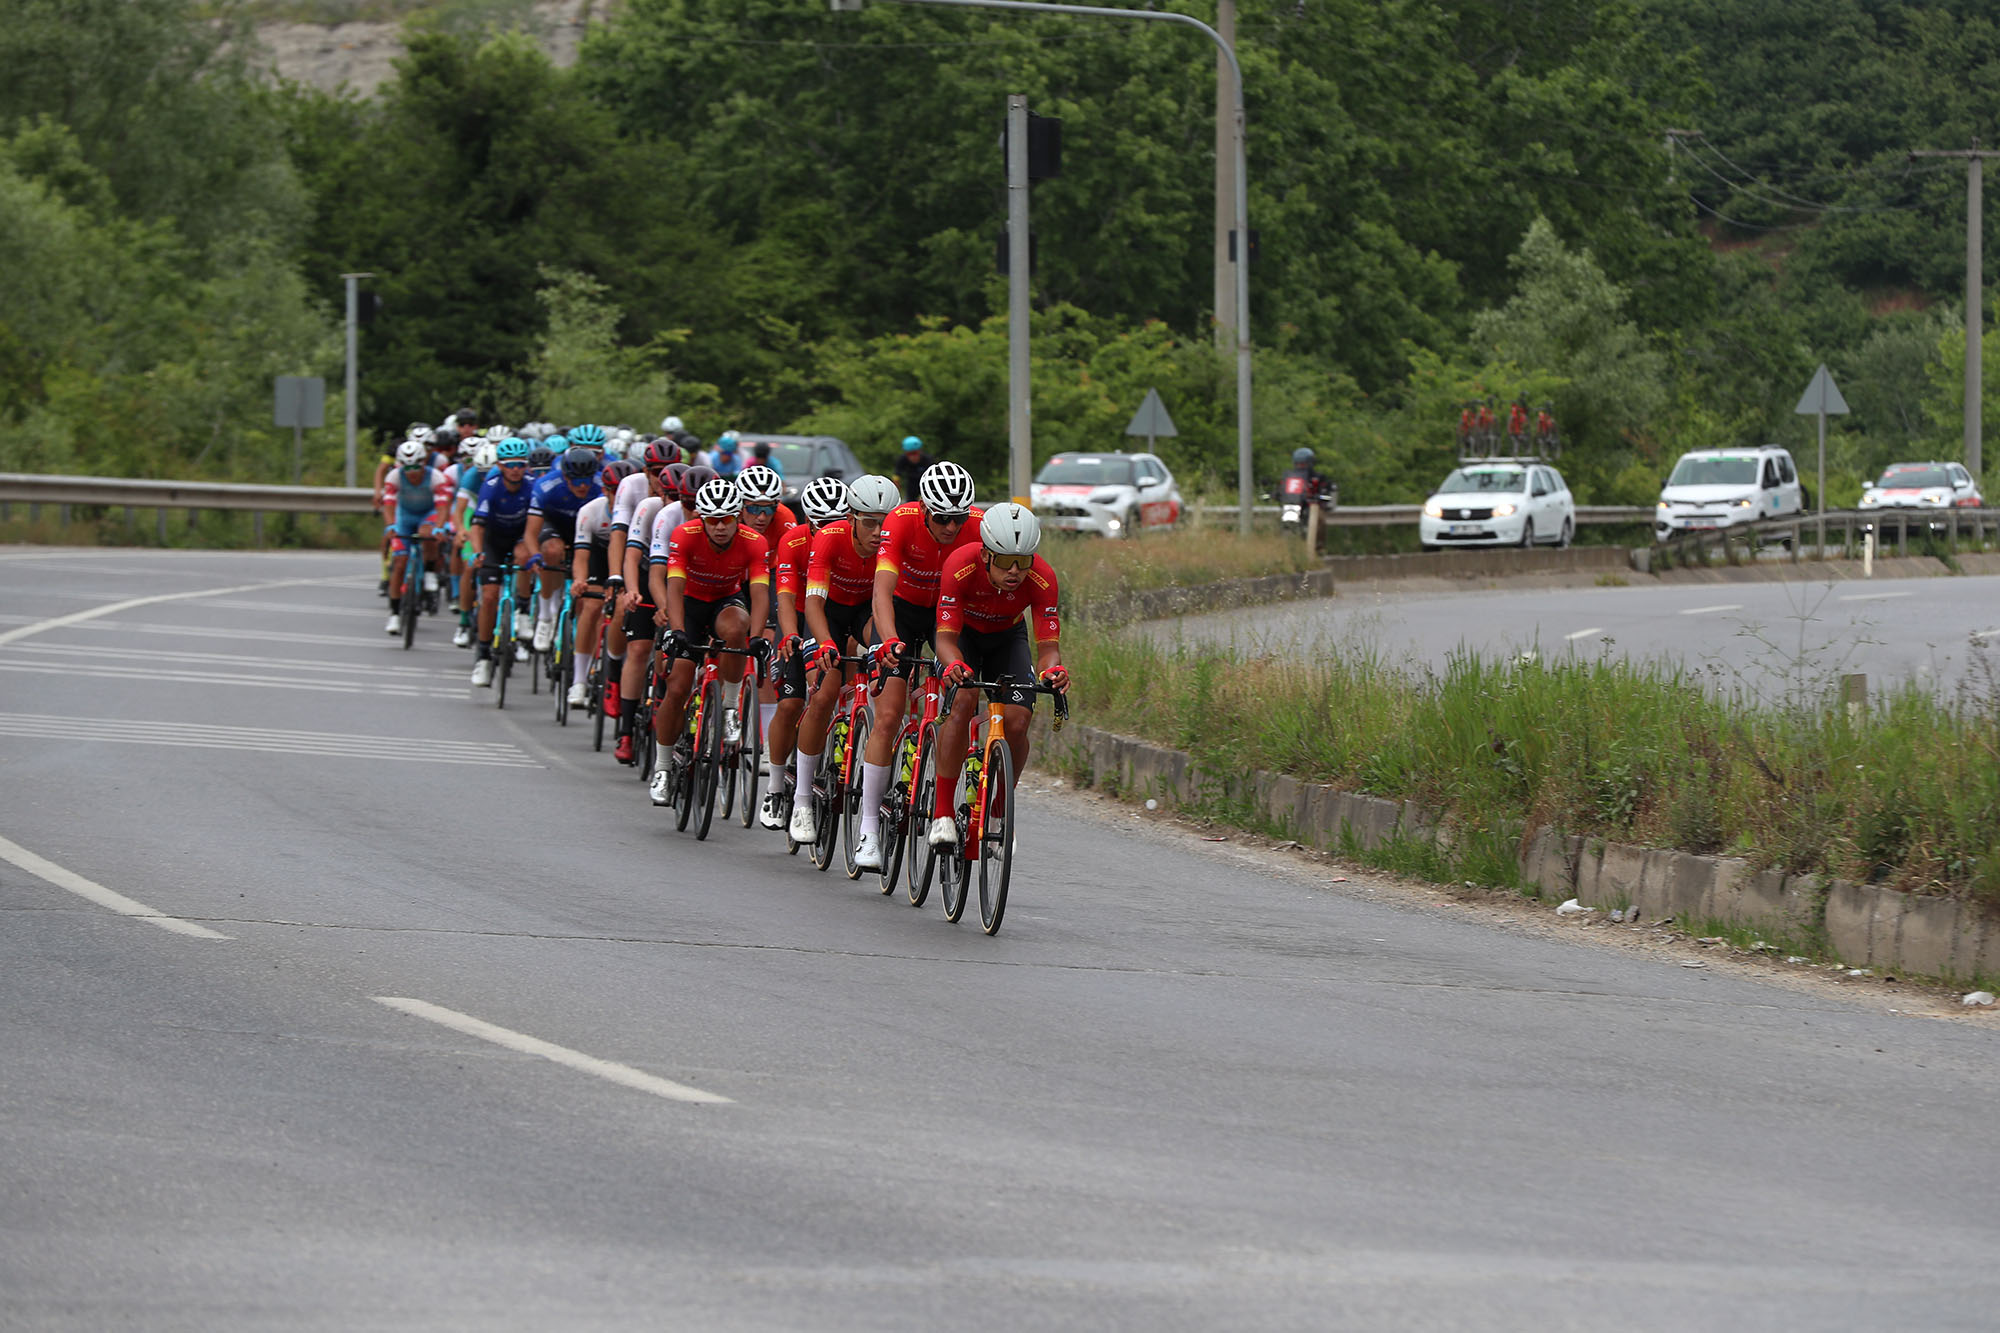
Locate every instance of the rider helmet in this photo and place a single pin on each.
(467, 448)
(417, 430)
(824, 499)
(872, 495)
(718, 499)
(578, 463)
(1302, 457)
(726, 442)
(444, 438)
(540, 458)
(590, 437)
(946, 490)
(693, 480)
(661, 453)
(667, 485)
(1010, 529)
(411, 453)
(911, 444)
(498, 433)
(485, 455)
(615, 472)
(671, 426)
(555, 442)
(760, 485)
(515, 450)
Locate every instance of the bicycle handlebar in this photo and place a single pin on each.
(1060, 696)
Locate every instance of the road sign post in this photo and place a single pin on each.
(1822, 398)
(1151, 420)
(298, 401)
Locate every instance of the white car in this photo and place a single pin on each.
(1722, 488)
(1111, 494)
(1499, 502)
(1919, 486)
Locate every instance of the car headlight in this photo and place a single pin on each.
(1112, 525)
(1934, 497)
(1663, 507)
(1433, 509)
(1503, 511)
(1744, 501)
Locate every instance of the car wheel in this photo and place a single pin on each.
(1568, 535)
(1527, 534)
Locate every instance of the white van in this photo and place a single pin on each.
(1722, 488)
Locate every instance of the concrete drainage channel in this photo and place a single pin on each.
(1860, 924)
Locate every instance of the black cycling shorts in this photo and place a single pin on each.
(699, 617)
(1002, 655)
(790, 677)
(916, 626)
(639, 623)
(499, 550)
(599, 567)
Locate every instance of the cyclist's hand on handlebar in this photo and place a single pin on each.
(1056, 678)
(533, 562)
(828, 656)
(956, 674)
(891, 653)
(677, 642)
(760, 647)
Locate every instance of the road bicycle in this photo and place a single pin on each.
(556, 663)
(504, 642)
(836, 786)
(986, 816)
(695, 762)
(414, 599)
(742, 760)
(920, 717)
(601, 667)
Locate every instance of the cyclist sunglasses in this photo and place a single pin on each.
(762, 511)
(1012, 561)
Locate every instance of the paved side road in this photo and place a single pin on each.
(331, 997)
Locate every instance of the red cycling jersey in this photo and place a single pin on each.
(967, 599)
(838, 572)
(914, 556)
(711, 574)
(788, 560)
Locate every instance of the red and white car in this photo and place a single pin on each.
(1111, 494)
(1920, 486)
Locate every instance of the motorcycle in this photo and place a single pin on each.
(1296, 491)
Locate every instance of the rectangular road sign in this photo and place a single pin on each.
(299, 401)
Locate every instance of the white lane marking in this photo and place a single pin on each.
(113, 608)
(1710, 610)
(1584, 633)
(91, 654)
(332, 745)
(547, 1050)
(1986, 633)
(104, 671)
(192, 632)
(300, 608)
(48, 870)
(1872, 596)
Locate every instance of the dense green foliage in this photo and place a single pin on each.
(1657, 214)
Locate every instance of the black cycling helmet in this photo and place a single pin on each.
(540, 457)
(1302, 457)
(693, 480)
(579, 463)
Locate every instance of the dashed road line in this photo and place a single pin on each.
(1711, 610)
(1584, 633)
(113, 608)
(625, 1075)
(1871, 596)
(320, 744)
(48, 871)
(163, 674)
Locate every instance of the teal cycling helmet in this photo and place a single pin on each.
(590, 437)
(512, 451)
(911, 444)
(555, 444)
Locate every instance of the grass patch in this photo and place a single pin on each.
(1906, 792)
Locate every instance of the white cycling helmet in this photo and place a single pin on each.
(872, 495)
(614, 449)
(1010, 529)
(466, 449)
(760, 485)
(418, 431)
(486, 455)
(824, 499)
(498, 433)
(671, 425)
(412, 452)
(946, 489)
(718, 499)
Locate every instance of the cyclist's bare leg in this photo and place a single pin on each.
(953, 729)
(671, 715)
(732, 626)
(888, 720)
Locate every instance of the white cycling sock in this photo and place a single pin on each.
(806, 763)
(874, 780)
(765, 712)
(579, 668)
(549, 607)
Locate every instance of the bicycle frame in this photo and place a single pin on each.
(982, 734)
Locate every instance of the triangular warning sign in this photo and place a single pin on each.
(1151, 419)
(1822, 395)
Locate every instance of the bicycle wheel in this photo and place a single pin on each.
(599, 670)
(679, 760)
(412, 601)
(953, 874)
(503, 664)
(850, 794)
(556, 688)
(996, 836)
(896, 811)
(727, 763)
(708, 758)
(921, 863)
(825, 795)
(750, 754)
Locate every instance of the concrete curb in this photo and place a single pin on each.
(1861, 924)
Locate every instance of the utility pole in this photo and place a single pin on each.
(1225, 179)
(353, 317)
(1975, 282)
(1020, 455)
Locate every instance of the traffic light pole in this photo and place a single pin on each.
(1244, 463)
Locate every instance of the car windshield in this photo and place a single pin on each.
(1692, 471)
(791, 460)
(1919, 476)
(1496, 480)
(1085, 470)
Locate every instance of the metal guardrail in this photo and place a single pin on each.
(1390, 516)
(1847, 528)
(135, 493)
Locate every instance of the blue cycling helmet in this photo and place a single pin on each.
(726, 442)
(590, 437)
(911, 444)
(579, 464)
(512, 451)
(555, 443)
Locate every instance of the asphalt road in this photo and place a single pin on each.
(1179, 1091)
(1768, 640)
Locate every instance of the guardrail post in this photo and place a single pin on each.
(257, 527)
(160, 524)
(62, 516)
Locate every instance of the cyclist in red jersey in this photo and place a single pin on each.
(840, 586)
(716, 583)
(765, 514)
(824, 501)
(988, 597)
(915, 541)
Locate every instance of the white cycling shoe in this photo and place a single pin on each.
(545, 634)
(868, 852)
(659, 790)
(430, 581)
(732, 727)
(462, 639)
(523, 626)
(579, 695)
(769, 816)
(482, 671)
(395, 625)
(802, 830)
(944, 832)
(520, 651)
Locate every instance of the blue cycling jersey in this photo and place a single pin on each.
(552, 498)
(500, 509)
(470, 479)
(416, 497)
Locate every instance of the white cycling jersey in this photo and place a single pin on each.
(625, 503)
(670, 517)
(593, 523)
